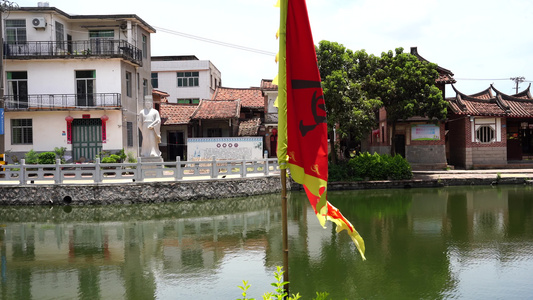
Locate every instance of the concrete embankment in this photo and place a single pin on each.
(144, 192)
(173, 191)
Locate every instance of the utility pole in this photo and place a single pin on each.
(518, 80)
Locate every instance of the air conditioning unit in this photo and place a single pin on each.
(38, 23)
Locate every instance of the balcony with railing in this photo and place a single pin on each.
(62, 101)
(73, 49)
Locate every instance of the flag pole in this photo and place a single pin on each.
(285, 229)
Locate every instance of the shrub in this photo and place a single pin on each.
(111, 159)
(340, 172)
(380, 167)
(31, 157)
(131, 157)
(46, 158)
(60, 153)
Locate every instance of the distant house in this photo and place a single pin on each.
(420, 140)
(270, 92)
(185, 78)
(216, 118)
(490, 129)
(252, 108)
(231, 112)
(175, 129)
(74, 81)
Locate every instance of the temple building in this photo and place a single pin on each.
(420, 140)
(490, 129)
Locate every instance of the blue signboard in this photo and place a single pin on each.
(1, 121)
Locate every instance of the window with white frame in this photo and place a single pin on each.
(17, 89)
(21, 131)
(186, 79)
(60, 35)
(486, 130)
(16, 31)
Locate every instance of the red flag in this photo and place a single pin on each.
(302, 134)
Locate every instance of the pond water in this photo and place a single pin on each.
(447, 243)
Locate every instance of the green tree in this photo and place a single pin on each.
(349, 108)
(406, 86)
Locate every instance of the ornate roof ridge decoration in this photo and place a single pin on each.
(458, 99)
(524, 95)
(445, 75)
(485, 104)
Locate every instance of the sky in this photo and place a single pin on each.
(482, 42)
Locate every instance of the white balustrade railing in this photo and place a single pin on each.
(98, 172)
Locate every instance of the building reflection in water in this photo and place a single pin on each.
(422, 243)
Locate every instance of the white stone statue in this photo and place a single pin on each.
(150, 126)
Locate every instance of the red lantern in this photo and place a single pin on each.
(69, 119)
(104, 118)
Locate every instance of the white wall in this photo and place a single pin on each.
(59, 77)
(168, 82)
(55, 131)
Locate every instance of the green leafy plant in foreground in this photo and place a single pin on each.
(279, 292)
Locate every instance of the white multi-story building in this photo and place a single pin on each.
(186, 79)
(74, 81)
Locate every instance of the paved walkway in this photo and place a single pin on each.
(468, 174)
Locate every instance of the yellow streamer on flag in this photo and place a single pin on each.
(302, 128)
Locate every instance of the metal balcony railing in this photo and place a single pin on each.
(72, 49)
(62, 101)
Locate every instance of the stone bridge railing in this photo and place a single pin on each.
(135, 172)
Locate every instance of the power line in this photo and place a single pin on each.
(518, 80)
(234, 46)
(481, 79)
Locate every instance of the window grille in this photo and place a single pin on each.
(485, 134)
(186, 79)
(21, 131)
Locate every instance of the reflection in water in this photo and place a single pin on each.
(456, 242)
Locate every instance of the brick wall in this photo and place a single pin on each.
(467, 154)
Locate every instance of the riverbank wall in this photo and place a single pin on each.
(205, 189)
(142, 192)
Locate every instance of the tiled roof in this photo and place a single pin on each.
(249, 127)
(217, 109)
(445, 75)
(267, 85)
(485, 104)
(160, 93)
(175, 114)
(250, 98)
